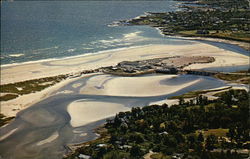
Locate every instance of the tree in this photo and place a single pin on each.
(116, 155)
(136, 151)
(231, 133)
(200, 137)
(191, 141)
(137, 138)
(181, 101)
(210, 142)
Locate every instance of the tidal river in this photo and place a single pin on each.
(43, 130)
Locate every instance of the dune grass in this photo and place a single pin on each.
(13, 90)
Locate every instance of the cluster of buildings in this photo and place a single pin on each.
(167, 65)
(152, 65)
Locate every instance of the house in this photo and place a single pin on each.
(82, 156)
(101, 145)
(177, 156)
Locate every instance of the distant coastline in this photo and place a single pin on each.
(181, 23)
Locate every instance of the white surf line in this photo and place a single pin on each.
(8, 134)
(49, 139)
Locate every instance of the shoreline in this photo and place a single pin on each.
(11, 107)
(4, 66)
(242, 44)
(75, 65)
(36, 70)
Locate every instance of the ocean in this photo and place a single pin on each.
(45, 30)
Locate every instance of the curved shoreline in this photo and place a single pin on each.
(49, 60)
(74, 65)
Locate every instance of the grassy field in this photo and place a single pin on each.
(7, 97)
(194, 94)
(229, 35)
(160, 156)
(217, 132)
(239, 78)
(13, 90)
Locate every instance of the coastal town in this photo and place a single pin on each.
(213, 19)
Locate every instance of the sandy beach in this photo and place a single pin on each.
(143, 86)
(83, 112)
(69, 111)
(24, 72)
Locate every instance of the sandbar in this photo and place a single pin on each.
(83, 112)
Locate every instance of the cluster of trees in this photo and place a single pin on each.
(231, 4)
(179, 129)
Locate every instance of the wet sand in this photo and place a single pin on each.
(54, 118)
(48, 126)
(223, 58)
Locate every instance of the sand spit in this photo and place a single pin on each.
(120, 86)
(49, 139)
(70, 65)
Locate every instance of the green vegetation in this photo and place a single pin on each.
(234, 77)
(8, 97)
(5, 120)
(207, 129)
(227, 34)
(13, 90)
(226, 19)
(160, 156)
(194, 94)
(217, 132)
(225, 4)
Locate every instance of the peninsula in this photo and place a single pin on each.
(227, 20)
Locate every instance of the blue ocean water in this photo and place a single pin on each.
(39, 30)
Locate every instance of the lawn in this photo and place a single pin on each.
(217, 132)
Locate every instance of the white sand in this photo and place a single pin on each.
(38, 70)
(169, 102)
(83, 112)
(49, 139)
(131, 86)
(26, 71)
